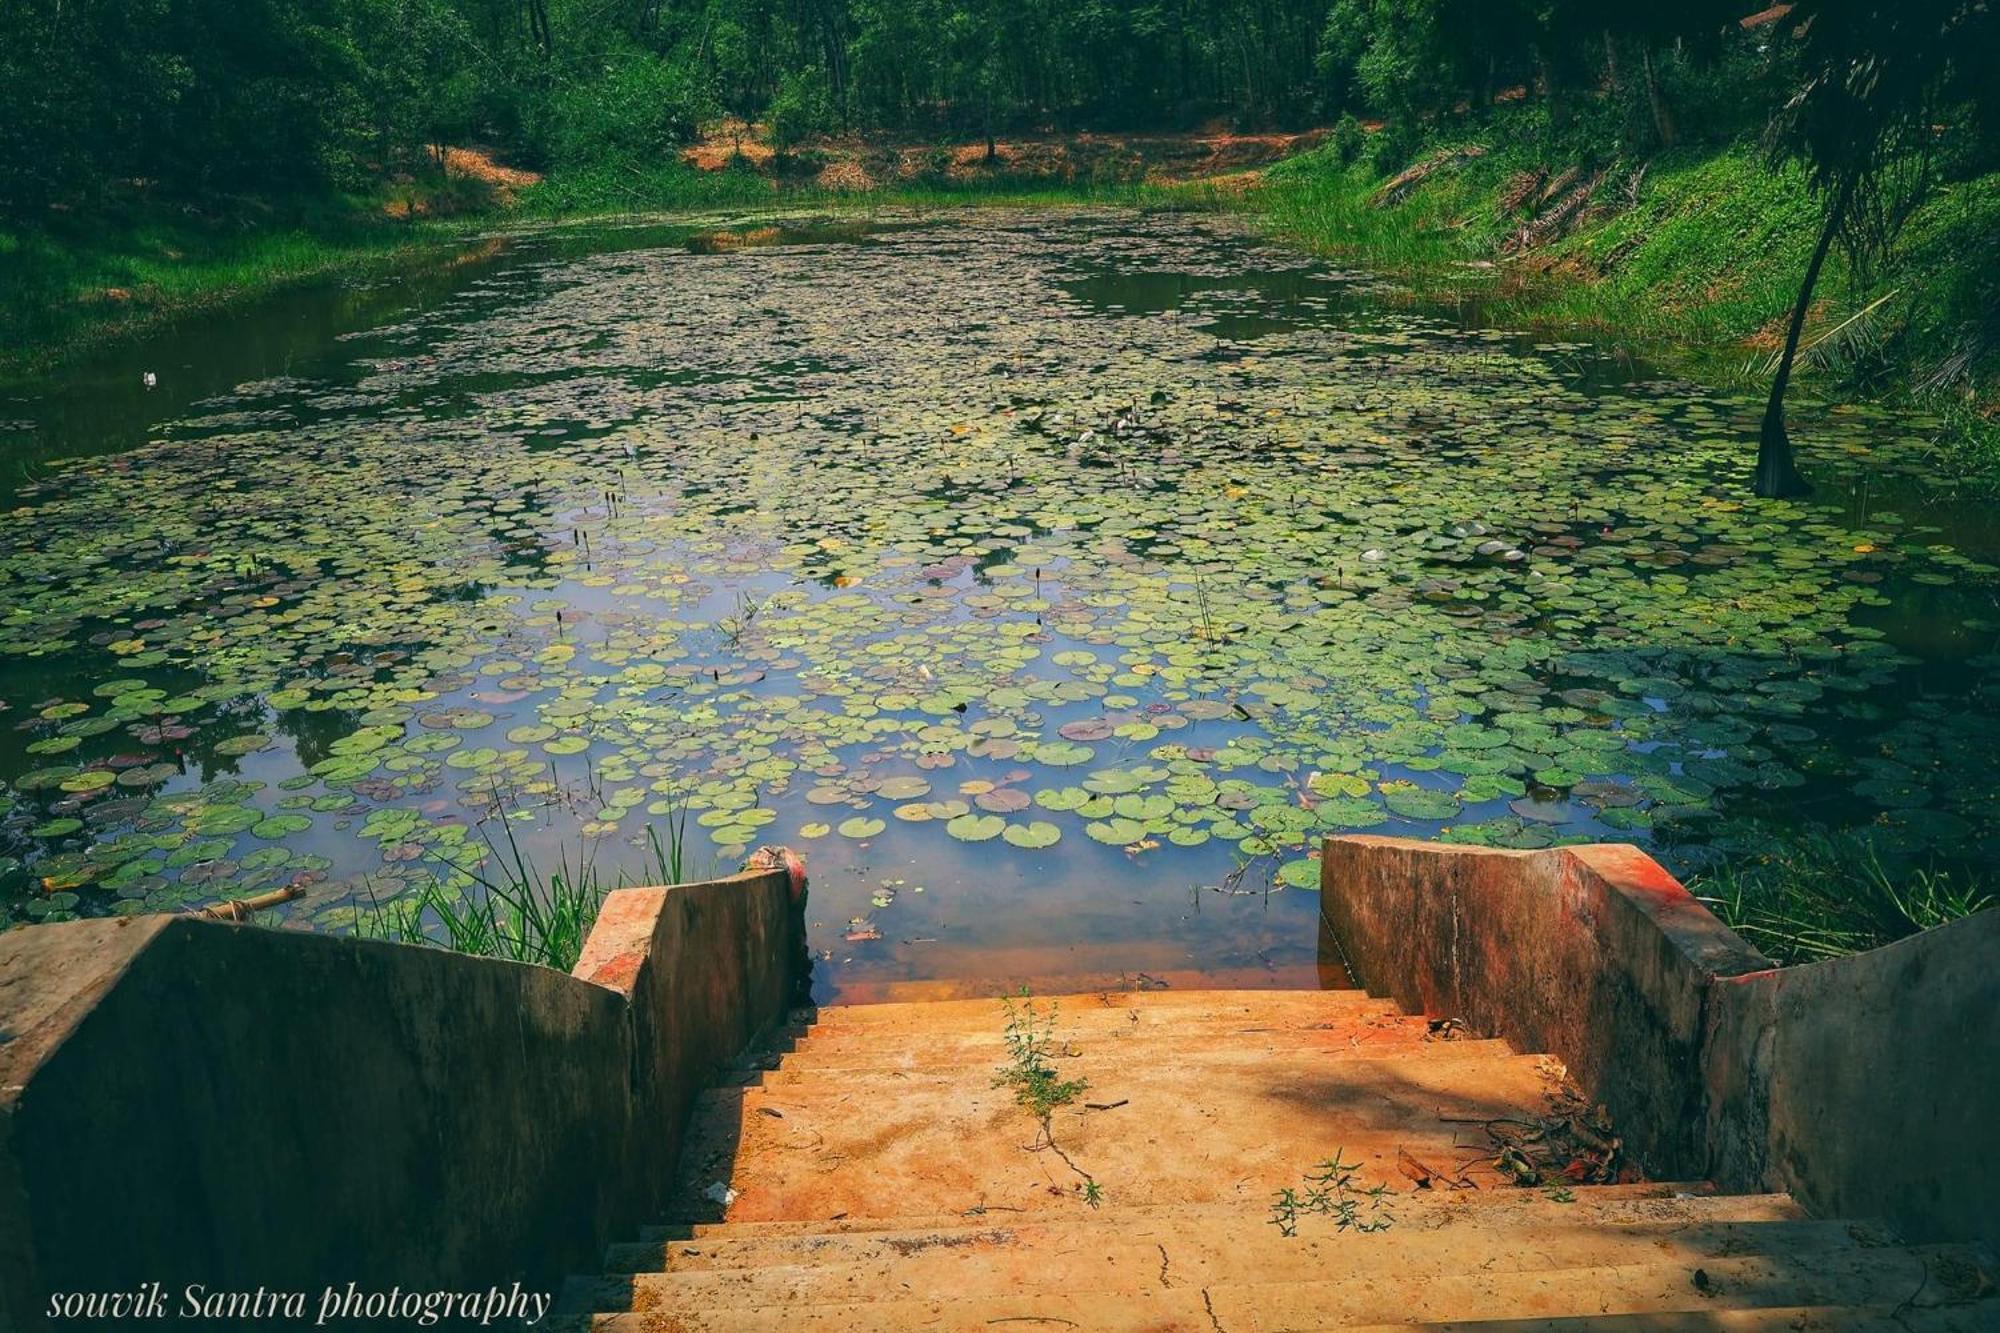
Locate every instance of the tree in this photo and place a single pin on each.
(1878, 78)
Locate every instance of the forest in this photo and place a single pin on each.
(213, 99)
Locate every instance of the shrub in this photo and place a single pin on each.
(802, 107)
(1348, 140)
(641, 110)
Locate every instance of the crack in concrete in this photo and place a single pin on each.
(1163, 1264)
(1209, 1306)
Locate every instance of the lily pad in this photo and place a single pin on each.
(1033, 835)
(975, 828)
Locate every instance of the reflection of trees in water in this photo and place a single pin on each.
(313, 733)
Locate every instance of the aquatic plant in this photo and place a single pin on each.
(524, 914)
(1804, 899)
(1207, 559)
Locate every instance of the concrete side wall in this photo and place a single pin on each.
(1863, 1085)
(1592, 954)
(703, 975)
(1868, 1086)
(185, 1100)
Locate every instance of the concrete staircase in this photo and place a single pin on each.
(873, 1176)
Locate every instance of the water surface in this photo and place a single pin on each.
(1054, 581)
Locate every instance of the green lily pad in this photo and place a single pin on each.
(1116, 832)
(1303, 874)
(1033, 835)
(975, 828)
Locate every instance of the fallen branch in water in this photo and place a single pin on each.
(242, 909)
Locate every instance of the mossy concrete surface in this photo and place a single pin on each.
(184, 1100)
(1860, 1085)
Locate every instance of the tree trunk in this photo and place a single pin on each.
(538, 24)
(1663, 115)
(1776, 474)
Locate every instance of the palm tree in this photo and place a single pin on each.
(1878, 79)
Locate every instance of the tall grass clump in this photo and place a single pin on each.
(521, 912)
(1827, 896)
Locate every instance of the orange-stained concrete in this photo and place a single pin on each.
(871, 1175)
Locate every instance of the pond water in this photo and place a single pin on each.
(1053, 581)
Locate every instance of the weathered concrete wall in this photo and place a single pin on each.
(1863, 1085)
(1594, 954)
(190, 1101)
(1868, 1086)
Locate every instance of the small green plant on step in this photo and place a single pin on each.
(1031, 1045)
(1333, 1189)
(1038, 1089)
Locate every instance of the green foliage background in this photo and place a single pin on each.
(214, 99)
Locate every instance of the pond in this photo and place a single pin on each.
(1054, 581)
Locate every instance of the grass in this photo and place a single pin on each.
(73, 284)
(1333, 1189)
(1698, 250)
(522, 914)
(1828, 896)
(1707, 245)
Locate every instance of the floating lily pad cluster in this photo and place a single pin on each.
(931, 540)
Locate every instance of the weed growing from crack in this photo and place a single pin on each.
(1038, 1089)
(1332, 1189)
(1031, 1045)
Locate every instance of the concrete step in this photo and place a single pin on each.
(1199, 1232)
(1866, 1277)
(1097, 1060)
(1174, 1133)
(882, 1181)
(996, 970)
(984, 1015)
(1692, 1285)
(1743, 1207)
(999, 1259)
(815, 1043)
(1957, 1317)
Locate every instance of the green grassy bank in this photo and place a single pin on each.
(1700, 248)
(68, 287)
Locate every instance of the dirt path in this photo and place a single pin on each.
(855, 163)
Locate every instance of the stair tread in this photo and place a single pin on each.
(1958, 1317)
(980, 1014)
(1202, 1230)
(1118, 1214)
(1001, 1258)
(878, 1178)
(1833, 1280)
(1093, 1061)
(1134, 1026)
(1171, 1134)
